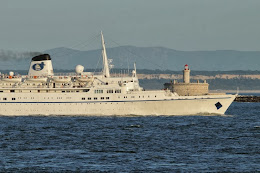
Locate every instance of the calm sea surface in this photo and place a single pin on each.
(133, 144)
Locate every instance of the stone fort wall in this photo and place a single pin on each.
(188, 89)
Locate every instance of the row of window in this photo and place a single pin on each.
(83, 98)
(95, 98)
(107, 98)
(98, 91)
(112, 91)
(108, 91)
(125, 97)
(68, 91)
(17, 98)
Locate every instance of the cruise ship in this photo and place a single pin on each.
(41, 92)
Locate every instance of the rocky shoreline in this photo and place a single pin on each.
(244, 98)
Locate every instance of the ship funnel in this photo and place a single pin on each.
(41, 65)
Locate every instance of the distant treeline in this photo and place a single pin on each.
(214, 84)
(205, 73)
(193, 72)
(145, 71)
(224, 84)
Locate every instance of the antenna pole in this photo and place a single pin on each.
(134, 69)
(104, 54)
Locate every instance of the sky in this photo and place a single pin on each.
(37, 25)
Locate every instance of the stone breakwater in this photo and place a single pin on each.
(247, 99)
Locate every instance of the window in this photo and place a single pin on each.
(109, 91)
(86, 90)
(118, 91)
(83, 98)
(95, 98)
(102, 98)
(63, 91)
(39, 91)
(13, 98)
(107, 98)
(98, 91)
(89, 98)
(1, 91)
(12, 91)
(4, 98)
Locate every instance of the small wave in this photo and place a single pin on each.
(135, 126)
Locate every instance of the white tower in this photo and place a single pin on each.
(41, 65)
(186, 74)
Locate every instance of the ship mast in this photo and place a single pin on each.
(104, 54)
(134, 71)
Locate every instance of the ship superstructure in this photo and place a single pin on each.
(41, 92)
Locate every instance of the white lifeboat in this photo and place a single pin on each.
(36, 79)
(85, 79)
(61, 79)
(12, 79)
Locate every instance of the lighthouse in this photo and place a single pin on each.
(186, 74)
(186, 88)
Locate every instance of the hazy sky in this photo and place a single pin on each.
(37, 25)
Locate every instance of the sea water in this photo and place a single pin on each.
(134, 143)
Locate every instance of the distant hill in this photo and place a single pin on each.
(147, 58)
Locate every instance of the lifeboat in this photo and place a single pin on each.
(36, 79)
(61, 79)
(84, 79)
(12, 79)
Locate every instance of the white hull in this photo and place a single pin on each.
(171, 106)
